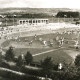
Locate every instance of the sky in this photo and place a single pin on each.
(75, 4)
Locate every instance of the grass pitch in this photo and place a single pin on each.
(37, 47)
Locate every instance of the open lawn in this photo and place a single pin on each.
(57, 56)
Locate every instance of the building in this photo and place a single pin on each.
(33, 21)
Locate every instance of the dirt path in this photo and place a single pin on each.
(12, 71)
(45, 52)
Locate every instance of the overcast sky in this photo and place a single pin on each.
(41, 3)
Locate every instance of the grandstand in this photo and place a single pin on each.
(33, 21)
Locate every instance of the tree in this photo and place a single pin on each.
(9, 56)
(28, 57)
(77, 60)
(47, 66)
(20, 61)
(1, 57)
(47, 63)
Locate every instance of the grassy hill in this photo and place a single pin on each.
(49, 11)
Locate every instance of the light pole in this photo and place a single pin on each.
(13, 19)
(4, 19)
(58, 19)
(6, 22)
(65, 17)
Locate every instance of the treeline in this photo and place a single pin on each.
(28, 15)
(68, 14)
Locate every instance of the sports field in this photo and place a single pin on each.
(40, 51)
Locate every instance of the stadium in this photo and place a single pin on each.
(43, 37)
(39, 40)
(40, 45)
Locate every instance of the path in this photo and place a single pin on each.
(71, 53)
(45, 52)
(12, 71)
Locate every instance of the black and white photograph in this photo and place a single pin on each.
(39, 40)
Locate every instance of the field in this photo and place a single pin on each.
(57, 56)
(39, 51)
(23, 42)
